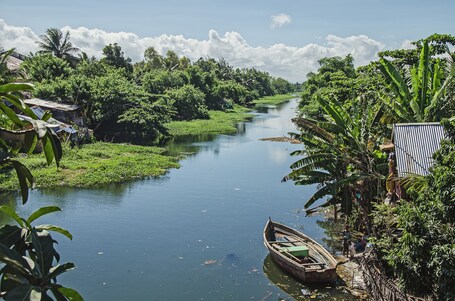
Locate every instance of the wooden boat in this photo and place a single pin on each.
(298, 254)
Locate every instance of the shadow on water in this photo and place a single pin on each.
(298, 291)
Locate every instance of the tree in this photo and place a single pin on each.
(339, 156)
(335, 79)
(114, 56)
(158, 81)
(153, 59)
(57, 44)
(188, 103)
(43, 67)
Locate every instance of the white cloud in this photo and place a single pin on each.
(291, 63)
(280, 20)
(21, 38)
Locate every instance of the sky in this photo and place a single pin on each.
(283, 37)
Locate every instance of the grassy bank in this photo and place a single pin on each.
(219, 123)
(275, 99)
(223, 122)
(104, 163)
(94, 164)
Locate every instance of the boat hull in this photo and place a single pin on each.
(322, 272)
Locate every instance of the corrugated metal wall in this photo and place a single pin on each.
(415, 144)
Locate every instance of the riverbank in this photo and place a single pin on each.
(105, 163)
(223, 122)
(94, 164)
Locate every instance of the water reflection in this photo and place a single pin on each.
(298, 291)
(8, 199)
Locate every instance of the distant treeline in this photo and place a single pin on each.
(132, 102)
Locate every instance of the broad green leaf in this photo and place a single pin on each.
(14, 260)
(424, 71)
(395, 79)
(47, 115)
(56, 145)
(57, 294)
(60, 269)
(20, 105)
(44, 250)
(10, 212)
(71, 294)
(23, 174)
(30, 141)
(47, 148)
(10, 234)
(42, 211)
(24, 292)
(10, 114)
(15, 87)
(55, 229)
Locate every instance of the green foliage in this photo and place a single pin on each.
(339, 156)
(28, 254)
(219, 123)
(28, 137)
(45, 67)
(6, 75)
(233, 91)
(57, 44)
(429, 91)
(188, 103)
(159, 81)
(423, 254)
(27, 251)
(114, 56)
(275, 100)
(282, 86)
(334, 80)
(145, 123)
(110, 96)
(94, 165)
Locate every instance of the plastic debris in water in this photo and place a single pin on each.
(210, 261)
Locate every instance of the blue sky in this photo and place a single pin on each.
(384, 24)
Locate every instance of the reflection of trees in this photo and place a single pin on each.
(332, 230)
(9, 199)
(293, 288)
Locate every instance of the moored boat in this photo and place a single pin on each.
(298, 254)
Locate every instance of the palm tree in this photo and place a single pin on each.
(56, 43)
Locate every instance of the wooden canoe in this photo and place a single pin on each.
(298, 254)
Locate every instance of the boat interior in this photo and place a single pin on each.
(297, 249)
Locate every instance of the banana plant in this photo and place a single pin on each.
(338, 154)
(422, 97)
(28, 254)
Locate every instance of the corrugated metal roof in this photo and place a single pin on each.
(415, 144)
(50, 104)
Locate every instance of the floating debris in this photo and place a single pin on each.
(281, 139)
(210, 261)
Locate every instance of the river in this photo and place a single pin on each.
(195, 233)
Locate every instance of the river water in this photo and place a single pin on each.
(195, 233)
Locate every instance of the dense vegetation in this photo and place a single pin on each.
(346, 113)
(129, 102)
